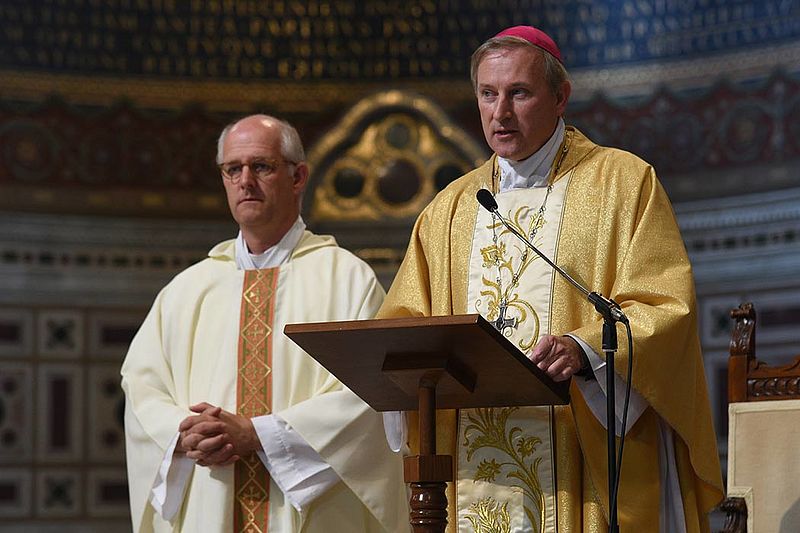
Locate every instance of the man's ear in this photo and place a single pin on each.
(300, 177)
(562, 97)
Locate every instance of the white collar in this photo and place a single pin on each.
(532, 171)
(273, 256)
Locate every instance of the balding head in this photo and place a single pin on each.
(291, 145)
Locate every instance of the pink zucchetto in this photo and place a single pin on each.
(534, 36)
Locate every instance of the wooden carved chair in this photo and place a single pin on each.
(763, 429)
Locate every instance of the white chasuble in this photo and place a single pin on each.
(506, 465)
(185, 353)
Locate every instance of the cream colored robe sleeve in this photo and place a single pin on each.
(152, 414)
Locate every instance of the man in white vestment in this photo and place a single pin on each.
(229, 425)
(602, 215)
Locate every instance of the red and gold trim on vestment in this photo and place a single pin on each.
(254, 394)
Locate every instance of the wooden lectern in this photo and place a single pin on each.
(449, 362)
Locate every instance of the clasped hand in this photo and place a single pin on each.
(215, 437)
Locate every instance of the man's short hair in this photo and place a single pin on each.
(554, 72)
(291, 145)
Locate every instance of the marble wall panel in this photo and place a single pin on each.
(60, 416)
(16, 332)
(59, 493)
(15, 492)
(60, 333)
(16, 412)
(107, 493)
(106, 408)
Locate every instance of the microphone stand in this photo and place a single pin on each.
(611, 313)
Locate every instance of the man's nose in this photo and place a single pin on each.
(503, 108)
(248, 178)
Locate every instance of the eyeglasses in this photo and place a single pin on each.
(262, 168)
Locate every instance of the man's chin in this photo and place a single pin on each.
(514, 153)
(248, 212)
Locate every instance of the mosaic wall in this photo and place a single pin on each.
(61, 408)
(707, 143)
(372, 40)
(97, 101)
(702, 145)
(73, 290)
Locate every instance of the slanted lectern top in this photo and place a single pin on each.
(382, 361)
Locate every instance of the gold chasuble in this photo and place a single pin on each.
(254, 395)
(607, 221)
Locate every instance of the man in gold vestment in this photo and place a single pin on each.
(229, 425)
(601, 214)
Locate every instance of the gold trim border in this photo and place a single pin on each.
(85, 200)
(228, 96)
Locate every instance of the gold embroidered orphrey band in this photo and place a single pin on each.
(254, 395)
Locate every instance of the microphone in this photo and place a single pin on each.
(488, 202)
(605, 306)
